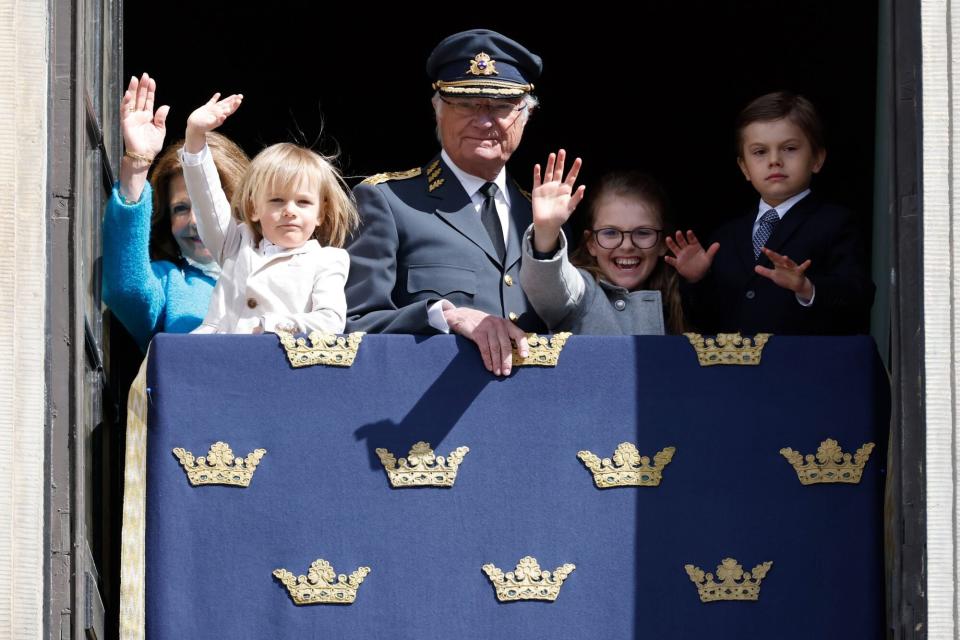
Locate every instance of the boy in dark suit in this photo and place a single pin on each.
(793, 265)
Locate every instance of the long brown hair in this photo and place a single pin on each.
(231, 164)
(639, 186)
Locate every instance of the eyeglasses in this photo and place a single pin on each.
(641, 237)
(498, 110)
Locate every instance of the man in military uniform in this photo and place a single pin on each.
(438, 248)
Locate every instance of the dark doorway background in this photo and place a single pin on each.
(654, 86)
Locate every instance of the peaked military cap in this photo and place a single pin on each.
(482, 64)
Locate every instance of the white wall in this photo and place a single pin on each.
(940, 27)
(23, 169)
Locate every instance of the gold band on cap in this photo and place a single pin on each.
(485, 87)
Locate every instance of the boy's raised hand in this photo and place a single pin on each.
(787, 274)
(554, 199)
(689, 258)
(207, 118)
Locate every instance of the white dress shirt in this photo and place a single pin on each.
(471, 184)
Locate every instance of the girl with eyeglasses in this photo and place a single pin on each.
(616, 282)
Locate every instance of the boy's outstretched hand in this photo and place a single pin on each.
(554, 200)
(207, 118)
(689, 258)
(787, 274)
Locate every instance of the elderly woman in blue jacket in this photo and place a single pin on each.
(157, 274)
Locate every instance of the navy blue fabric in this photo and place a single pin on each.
(321, 492)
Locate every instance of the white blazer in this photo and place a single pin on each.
(294, 289)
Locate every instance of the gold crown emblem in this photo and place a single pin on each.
(421, 468)
(483, 65)
(220, 466)
(830, 464)
(728, 348)
(528, 582)
(735, 583)
(322, 585)
(324, 348)
(544, 350)
(628, 468)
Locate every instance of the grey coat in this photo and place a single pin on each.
(420, 240)
(570, 299)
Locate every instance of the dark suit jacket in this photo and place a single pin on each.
(417, 245)
(732, 297)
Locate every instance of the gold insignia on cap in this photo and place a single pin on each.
(483, 65)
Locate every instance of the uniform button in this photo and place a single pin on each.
(513, 317)
(620, 305)
(751, 294)
(252, 303)
(508, 280)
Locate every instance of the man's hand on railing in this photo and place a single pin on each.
(493, 335)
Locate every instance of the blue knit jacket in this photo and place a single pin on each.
(147, 297)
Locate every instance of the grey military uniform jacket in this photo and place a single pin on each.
(420, 240)
(571, 299)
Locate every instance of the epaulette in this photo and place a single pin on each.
(392, 175)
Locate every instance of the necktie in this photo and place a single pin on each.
(767, 224)
(490, 219)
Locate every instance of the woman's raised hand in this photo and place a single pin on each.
(143, 129)
(143, 133)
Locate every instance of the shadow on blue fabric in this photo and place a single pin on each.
(320, 492)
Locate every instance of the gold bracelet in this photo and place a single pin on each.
(139, 156)
(127, 201)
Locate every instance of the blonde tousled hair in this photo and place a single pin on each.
(284, 164)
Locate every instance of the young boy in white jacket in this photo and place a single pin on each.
(280, 247)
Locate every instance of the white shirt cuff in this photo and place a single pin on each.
(435, 315)
(193, 159)
(807, 303)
